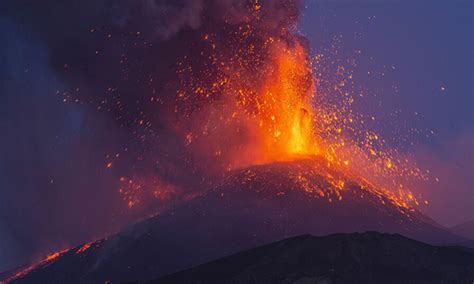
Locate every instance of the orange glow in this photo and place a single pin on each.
(53, 256)
(83, 248)
(25, 271)
(264, 112)
(285, 111)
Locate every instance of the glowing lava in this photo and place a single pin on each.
(285, 111)
(248, 105)
(42, 263)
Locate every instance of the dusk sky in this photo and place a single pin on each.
(414, 61)
(430, 44)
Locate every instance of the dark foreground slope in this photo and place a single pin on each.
(248, 208)
(341, 258)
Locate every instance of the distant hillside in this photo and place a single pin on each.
(341, 258)
(465, 229)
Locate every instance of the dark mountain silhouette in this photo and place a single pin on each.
(248, 208)
(341, 258)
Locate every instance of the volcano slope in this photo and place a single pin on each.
(247, 208)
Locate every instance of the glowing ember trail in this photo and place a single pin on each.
(84, 248)
(25, 271)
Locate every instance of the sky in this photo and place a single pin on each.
(413, 59)
(425, 50)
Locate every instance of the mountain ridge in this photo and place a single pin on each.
(369, 257)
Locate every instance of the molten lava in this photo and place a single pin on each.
(285, 111)
(251, 104)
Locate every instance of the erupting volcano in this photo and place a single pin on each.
(247, 94)
(231, 136)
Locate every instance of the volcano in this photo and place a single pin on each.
(246, 208)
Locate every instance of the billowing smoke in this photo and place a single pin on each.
(95, 107)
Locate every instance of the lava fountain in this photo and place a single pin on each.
(251, 98)
(260, 103)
